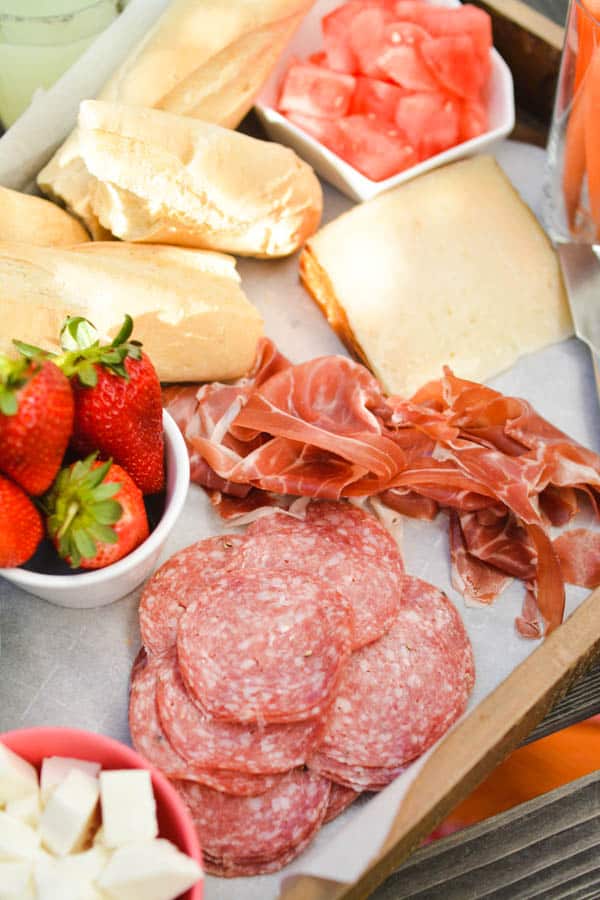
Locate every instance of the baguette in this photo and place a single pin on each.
(188, 308)
(423, 276)
(31, 220)
(206, 59)
(162, 178)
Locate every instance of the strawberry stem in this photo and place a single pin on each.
(14, 374)
(71, 513)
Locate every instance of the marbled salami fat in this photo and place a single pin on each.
(150, 740)
(354, 777)
(212, 743)
(265, 646)
(344, 546)
(180, 582)
(340, 798)
(397, 696)
(254, 832)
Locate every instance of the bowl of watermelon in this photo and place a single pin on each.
(374, 92)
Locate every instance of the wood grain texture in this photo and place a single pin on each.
(547, 847)
(470, 752)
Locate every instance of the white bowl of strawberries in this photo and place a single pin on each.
(93, 472)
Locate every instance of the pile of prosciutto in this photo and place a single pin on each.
(286, 670)
(324, 429)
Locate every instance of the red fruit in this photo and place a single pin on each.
(118, 408)
(96, 514)
(454, 62)
(36, 420)
(473, 119)
(377, 149)
(404, 65)
(430, 122)
(316, 91)
(377, 98)
(21, 527)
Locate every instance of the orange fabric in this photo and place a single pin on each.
(529, 772)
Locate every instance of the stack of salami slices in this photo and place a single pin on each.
(287, 670)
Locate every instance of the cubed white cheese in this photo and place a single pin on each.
(17, 840)
(69, 813)
(128, 807)
(17, 777)
(56, 768)
(70, 877)
(28, 809)
(154, 870)
(15, 881)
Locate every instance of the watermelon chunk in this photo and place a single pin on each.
(326, 131)
(473, 119)
(377, 98)
(455, 64)
(337, 29)
(367, 39)
(404, 65)
(442, 21)
(430, 122)
(316, 91)
(374, 148)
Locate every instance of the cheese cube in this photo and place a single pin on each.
(15, 881)
(70, 877)
(128, 807)
(56, 768)
(69, 814)
(17, 777)
(153, 870)
(17, 840)
(28, 809)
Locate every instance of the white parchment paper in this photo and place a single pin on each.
(70, 667)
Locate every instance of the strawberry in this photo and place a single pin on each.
(36, 419)
(21, 526)
(118, 408)
(96, 514)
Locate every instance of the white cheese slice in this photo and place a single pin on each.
(17, 840)
(128, 807)
(56, 768)
(154, 870)
(69, 813)
(15, 881)
(17, 777)
(28, 809)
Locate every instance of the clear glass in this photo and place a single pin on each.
(39, 40)
(572, 184)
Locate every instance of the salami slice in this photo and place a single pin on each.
(265, 646)
(397, 696)
(340, 799)
(344, 546)
(251, 833)
(354, 777)
(215, 744)
(150, 740)
(179, 582)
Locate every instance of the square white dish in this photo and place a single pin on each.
(308, 39)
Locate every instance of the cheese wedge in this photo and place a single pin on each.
(449, 269)
(188, 308)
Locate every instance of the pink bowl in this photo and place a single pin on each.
(174, 822)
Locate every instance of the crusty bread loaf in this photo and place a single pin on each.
(449, 269)
(188, 308)
(203, 58)
(31, 220)
(162, 178)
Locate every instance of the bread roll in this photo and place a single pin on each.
(203, 58)
(188, 308)
(31, 220)
(169, 179)
(449, 269)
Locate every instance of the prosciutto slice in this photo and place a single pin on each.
(324, 429)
